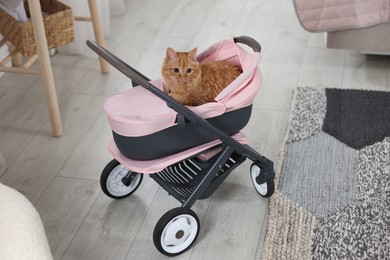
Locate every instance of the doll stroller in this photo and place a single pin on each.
(188, 151)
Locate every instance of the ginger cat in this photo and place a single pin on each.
(193, 84)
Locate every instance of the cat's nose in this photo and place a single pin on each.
(182, 79)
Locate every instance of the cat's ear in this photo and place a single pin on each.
(171, 54)
(192, 53)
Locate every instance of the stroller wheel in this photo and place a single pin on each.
(265, 189)
(176, 231)
(117, 181)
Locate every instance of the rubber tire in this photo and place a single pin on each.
(164, 221)
(106, 173)
(270, 184)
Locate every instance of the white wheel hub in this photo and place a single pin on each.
(262, 189)
(179, 233)
(115, 185)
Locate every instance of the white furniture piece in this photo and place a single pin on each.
(22, 235)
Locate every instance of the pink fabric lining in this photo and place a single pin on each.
(137, 112)
(153, 166)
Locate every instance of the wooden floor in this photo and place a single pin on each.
(60, 176)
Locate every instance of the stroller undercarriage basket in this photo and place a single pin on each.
(183, 178)
(188, 151)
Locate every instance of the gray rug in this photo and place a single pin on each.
(332, 197)
(2, 165)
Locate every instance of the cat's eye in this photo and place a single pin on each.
(176, 70)
(189, 70)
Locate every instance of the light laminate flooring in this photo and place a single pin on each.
(60, 176)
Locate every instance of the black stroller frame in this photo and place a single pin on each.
(193, 178)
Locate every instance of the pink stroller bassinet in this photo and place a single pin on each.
(145, 128)
(188, 151)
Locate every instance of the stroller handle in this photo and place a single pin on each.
(248, 41)
(123, 67)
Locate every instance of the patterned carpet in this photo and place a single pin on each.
(2, 165)
(332, 197)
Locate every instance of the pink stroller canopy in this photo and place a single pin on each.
(138, 112)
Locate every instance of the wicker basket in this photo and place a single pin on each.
(58, 23)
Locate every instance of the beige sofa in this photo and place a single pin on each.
(372, 40)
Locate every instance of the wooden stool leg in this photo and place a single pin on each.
(98, 31)
(45, 65)
(18, 60)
